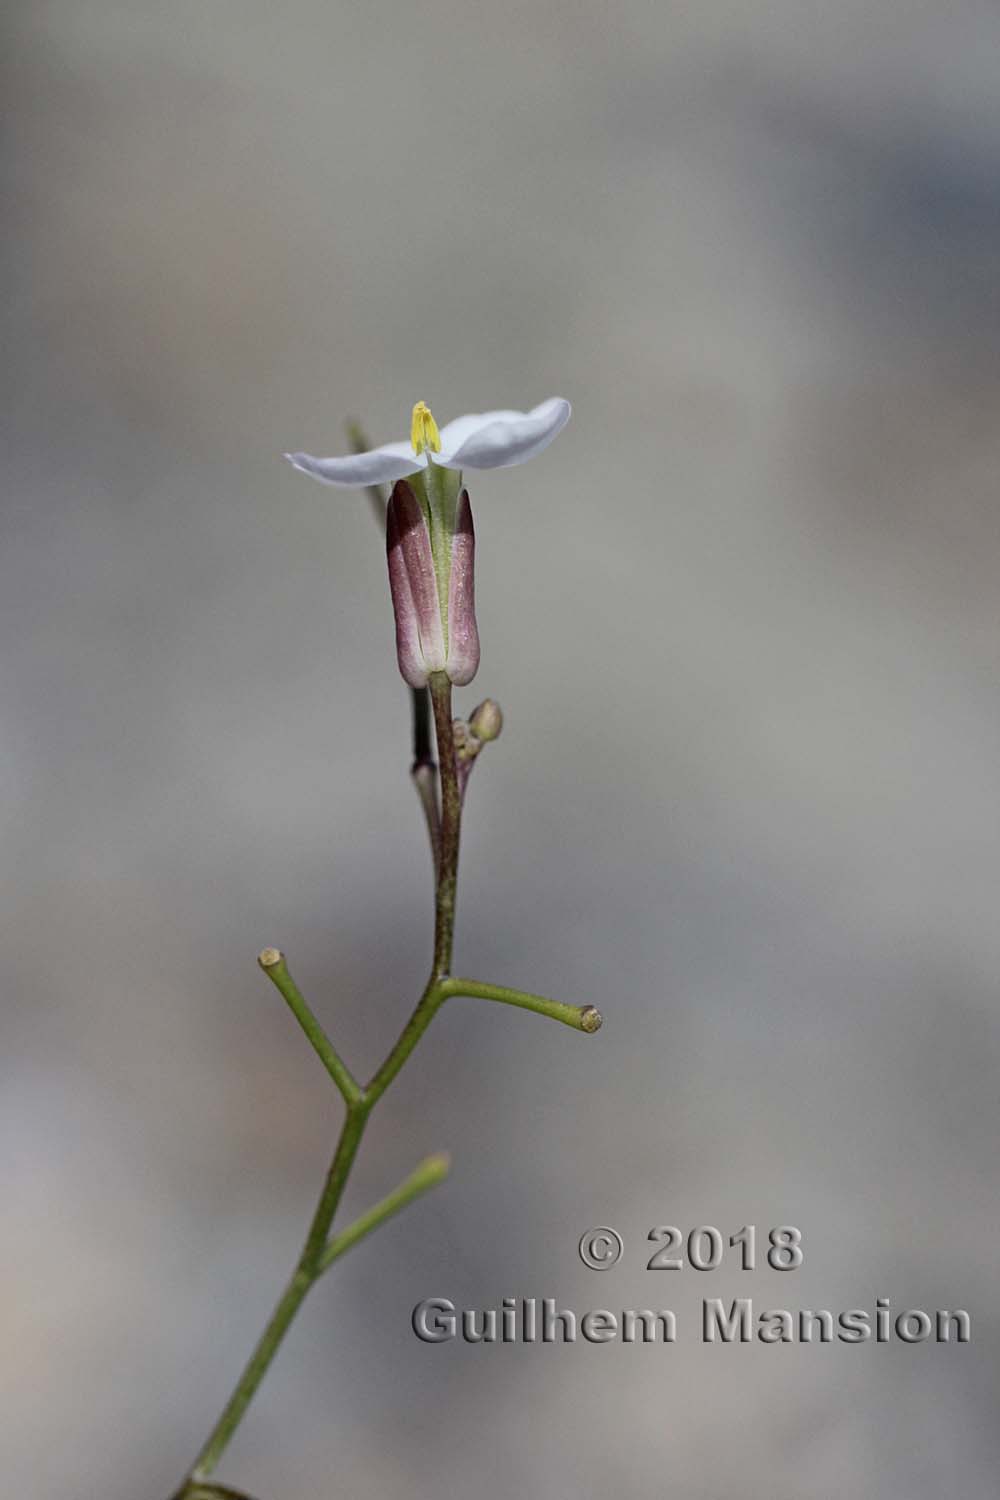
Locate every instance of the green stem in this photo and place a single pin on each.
(315, 1254)
(433, 996)
(427, 1008)
(273, 963)
(305, 1273)
(580, 1017)
(428, 1174)
(320, 1249)
(210, 1492)
(336, 1179)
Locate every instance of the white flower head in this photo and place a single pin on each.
(482, 440)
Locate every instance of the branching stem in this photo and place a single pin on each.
(321, 1248)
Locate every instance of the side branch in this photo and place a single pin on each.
(424, 777)
(428, 1174)
(210, 1492)
(272, 961)
(581, 1017)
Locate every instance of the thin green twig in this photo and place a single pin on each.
(305, 1273)
(428, 1174)
(580, 1017)
(359, 1102)
(272, 961)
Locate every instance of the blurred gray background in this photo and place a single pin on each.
(742, 618)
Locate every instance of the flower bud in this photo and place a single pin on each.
(486, 721)
(432, 635)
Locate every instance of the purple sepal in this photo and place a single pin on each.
(415, 603)
(463, 634)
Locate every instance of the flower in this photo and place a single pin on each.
(435, 626)
(429, 536)
(482, 440)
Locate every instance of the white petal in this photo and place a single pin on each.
(497, 439)
(381, 466)
(454, 434)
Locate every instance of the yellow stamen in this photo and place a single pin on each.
(424, 430)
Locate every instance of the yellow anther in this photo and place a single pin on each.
(424, 430)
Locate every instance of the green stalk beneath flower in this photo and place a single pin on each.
(315, 1256)
(320, 1249)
